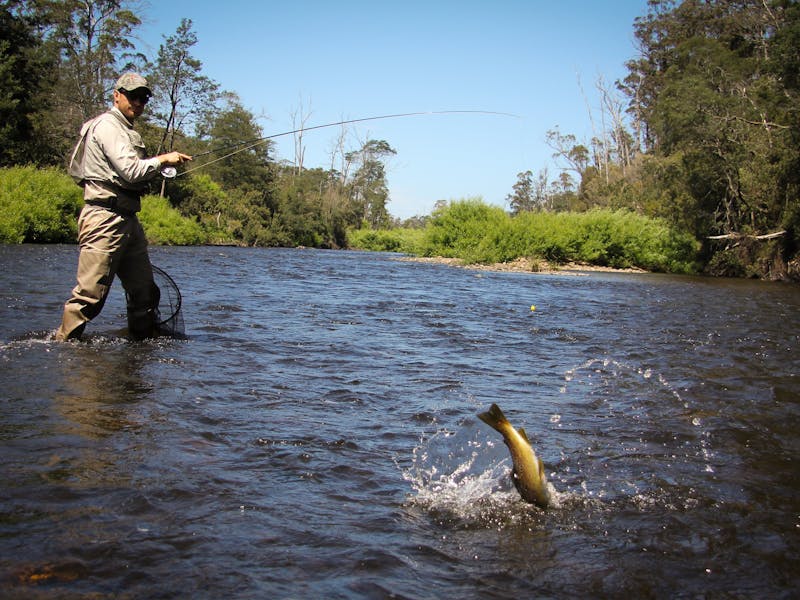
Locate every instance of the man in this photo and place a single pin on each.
(110, 164)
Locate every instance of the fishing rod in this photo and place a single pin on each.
(170, 172)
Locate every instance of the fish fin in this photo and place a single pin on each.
(523, 434)
(494, 417)
(541, 468)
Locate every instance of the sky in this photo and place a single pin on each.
(538, 61)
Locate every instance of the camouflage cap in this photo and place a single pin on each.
(132, 81)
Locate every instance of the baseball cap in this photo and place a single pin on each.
(132, 81)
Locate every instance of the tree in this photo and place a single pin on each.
(26, 67)
(716, 86)
(521, 199)
(75, 51)
(712, 101)
(569, 150)
(369, 189)
(620, 144)
(561, 193)
(302, 117)
(182, 97)
(94, 40)
(530, 194)
(243, 158)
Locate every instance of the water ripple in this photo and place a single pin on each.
(316, 434)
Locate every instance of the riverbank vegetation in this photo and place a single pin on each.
(694, 162)
(38, 205)
(41, 206)
(477, 233)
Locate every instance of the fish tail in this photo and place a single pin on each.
(494, 418)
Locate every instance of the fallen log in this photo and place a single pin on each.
(739, 236)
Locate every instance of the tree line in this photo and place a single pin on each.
(704, 131)
(701, 134)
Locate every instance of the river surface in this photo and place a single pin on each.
(316, 434)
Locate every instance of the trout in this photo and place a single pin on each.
(528, 473)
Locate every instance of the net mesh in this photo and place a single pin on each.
(169, 320)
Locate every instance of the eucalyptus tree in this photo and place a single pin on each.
(92, 41)
(183, 97)
(368, 185)
(95, 39)
(567, 148)
(521, 198)
(530, 194)
(712, 96)
(241, 157)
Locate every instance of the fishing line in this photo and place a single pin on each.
(171, 172)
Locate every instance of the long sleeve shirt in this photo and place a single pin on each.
(114, 161)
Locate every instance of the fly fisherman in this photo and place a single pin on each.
(109, 163)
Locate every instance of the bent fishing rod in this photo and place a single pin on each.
(170, 172)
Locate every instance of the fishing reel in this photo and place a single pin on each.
(169, 172)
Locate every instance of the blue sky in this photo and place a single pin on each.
(332, 61)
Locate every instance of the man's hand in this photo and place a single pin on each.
(172, 159)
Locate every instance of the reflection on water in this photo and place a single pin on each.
(98, 387)
(317, 435)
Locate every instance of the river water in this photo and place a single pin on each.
(316, 434)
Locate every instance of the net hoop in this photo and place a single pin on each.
(169, 319)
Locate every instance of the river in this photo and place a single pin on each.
(316, 433)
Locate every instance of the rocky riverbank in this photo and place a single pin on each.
(520, 265)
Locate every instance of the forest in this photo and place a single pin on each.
(699, 142)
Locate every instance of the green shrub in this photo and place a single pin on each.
(38, 205)
(603, 237)
(477, 233)
(470, 230)
(550, 236)
(198, 194)
(164, 225)
(404, 240)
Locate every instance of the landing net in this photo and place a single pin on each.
(169, 319)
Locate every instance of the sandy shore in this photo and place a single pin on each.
(521, 265)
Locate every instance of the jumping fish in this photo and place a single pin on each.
(528, 473)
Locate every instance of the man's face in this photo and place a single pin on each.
(131, 104)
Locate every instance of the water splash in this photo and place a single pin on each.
(623, 436)
(457, 475)
(463, 477)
